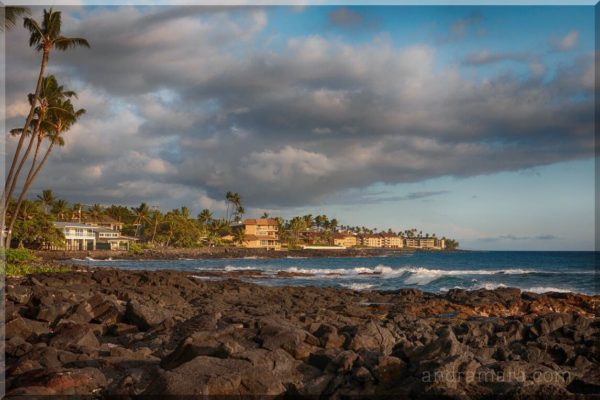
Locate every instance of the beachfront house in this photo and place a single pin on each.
(109, 239)
(87, 237)
(260, 233)
(77, 236)
(344, 239)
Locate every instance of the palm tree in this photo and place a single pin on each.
(204, 217)
(265, 215)
(11, 14)
(141, 216)
(44, 37)
(60, 209)
(51, 99)
(61, 119)
(96, 211)
(47, 198)
(155, 219)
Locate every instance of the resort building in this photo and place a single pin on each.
(261, 233)
(425, 243)
(344, 239)
(77, 236)
(371, 240)
(390, 240)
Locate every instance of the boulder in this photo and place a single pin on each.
(71, 334)
(25, 328)
(372, 336)
(18, 294)
(143, 316)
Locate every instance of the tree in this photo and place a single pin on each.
(11, 13)
(51, 100)
(47, 198)
(204, 218)
(96, 212)
(61, 209)
(35, 228)
(44, 37)
(60, 119)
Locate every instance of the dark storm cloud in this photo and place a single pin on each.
(185, 104)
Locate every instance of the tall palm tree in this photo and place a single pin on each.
(45, 38)
(96, 212)
(155, 220)
(52, 97)
(60, 120)
(11, 13)
(47, 198)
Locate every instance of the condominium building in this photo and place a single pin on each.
(390, 240)
(425, 243)
(261, 233)
(344, 239)
(371, 240)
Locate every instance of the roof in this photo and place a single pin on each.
(339, 235)
(261, 221)
(64, 224)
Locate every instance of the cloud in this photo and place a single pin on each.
(486, 57)
(187, 104)
(566, 43)
(511, 237)
(345, 17)
(462, 26)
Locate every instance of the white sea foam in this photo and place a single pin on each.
(358, 286)
(545, 289)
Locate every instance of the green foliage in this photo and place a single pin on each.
(17, 256)
(27, 269)
(135, 248)
(34, 228)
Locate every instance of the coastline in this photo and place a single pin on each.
(114, 332)
(223, 252)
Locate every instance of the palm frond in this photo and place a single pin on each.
(11, 14)
(64, 43)
(37, 34)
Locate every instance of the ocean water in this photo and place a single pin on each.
(430, 271)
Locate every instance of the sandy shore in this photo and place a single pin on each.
(113, 332)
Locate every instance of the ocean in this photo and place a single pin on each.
(536, 271)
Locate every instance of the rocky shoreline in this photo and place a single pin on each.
(109, 332)
(217, 252)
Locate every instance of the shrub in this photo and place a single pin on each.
(17, 256)
(135, 248)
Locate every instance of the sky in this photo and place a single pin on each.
(471, 122)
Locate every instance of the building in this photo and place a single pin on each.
(77, 236)
(371, 240)
(103, 221)
(108, 239)
(431, 243)
(87, 237)
(392, 241)
(344, 239)
(261, 233)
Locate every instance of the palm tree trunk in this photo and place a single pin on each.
(24, 159)
(33, 173)
(9, 177)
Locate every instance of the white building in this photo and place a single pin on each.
(77, 236)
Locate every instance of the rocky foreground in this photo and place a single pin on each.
(114, 332)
